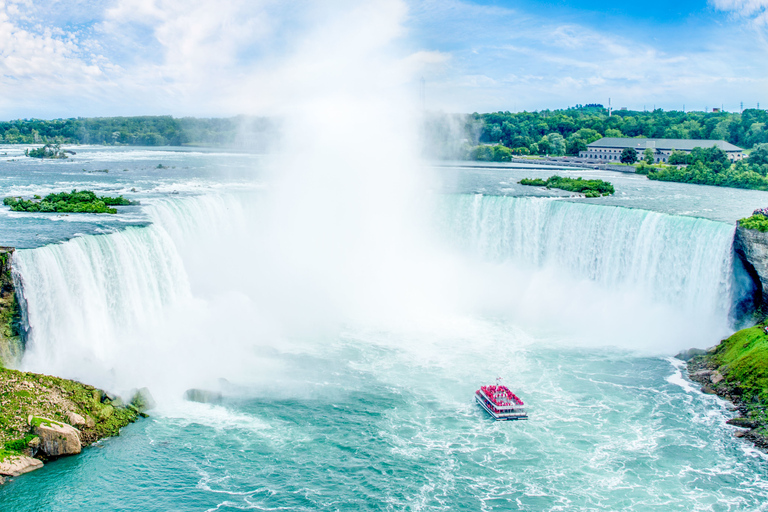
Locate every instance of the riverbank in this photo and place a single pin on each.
(44, 417)
(737, 370)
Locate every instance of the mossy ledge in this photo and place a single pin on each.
(737, 370)
(28, 400)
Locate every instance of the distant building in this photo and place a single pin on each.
(610, 148)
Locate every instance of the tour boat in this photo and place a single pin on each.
(500, 402)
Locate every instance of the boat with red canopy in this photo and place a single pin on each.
(500, 402)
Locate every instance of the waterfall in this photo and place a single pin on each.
(679, 260)
(188, 291)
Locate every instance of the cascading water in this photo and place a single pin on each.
(619, 276)
(97, 302)
(677, 260)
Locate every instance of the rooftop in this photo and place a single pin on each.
(680, 144)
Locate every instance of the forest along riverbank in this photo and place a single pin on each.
(44, 417)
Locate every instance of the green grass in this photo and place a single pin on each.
(743, 358)
(756, 222)
(42, 396)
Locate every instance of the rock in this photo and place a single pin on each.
(716, 378)
(18, 465)
(32, 447)
(740, 433)
(687, 355)
(751, 247)
(202, 396)
(75, 419)
(142, 400)
(57, 439)
(703, 374)
(105, 412)
(742, 422)
(708, 390)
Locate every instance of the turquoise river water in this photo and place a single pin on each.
(348, 357)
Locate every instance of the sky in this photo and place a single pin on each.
(70, 58)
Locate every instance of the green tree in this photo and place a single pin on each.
(556, 143)
(628, 156)
(678, 158)
(648, 155)
(759, 155)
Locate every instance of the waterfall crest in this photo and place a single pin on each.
(189, 290)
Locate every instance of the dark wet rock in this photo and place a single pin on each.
(742, 423)
(751, 247)
(687, 355)
(202, 396)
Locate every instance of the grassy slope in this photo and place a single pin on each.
(23, 394)
(743, 360)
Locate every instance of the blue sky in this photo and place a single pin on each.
(63, 58)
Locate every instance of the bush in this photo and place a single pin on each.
(591, 188)
(757, 222)
(84, 201)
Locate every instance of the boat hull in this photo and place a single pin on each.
(519, 414)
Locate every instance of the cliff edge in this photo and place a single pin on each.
(11, 341)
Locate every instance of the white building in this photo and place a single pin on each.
(609, 149)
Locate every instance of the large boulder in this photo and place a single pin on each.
(202, 396)
(16, 465)
(142, 400)
(75, 419)
(56, 439)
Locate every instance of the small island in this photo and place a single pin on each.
(49, 151)
(590, 188)
(84, 201)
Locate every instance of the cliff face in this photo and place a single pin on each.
(752, 248)
(11, 343)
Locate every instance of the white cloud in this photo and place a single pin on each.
(757, 10)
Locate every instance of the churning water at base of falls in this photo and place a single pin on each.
(381, 417)
(575, 304)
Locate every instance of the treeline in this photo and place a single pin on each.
(711, 166)
(567, 132)
(139, 131)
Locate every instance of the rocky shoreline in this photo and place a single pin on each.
(730, 372)
(44, 418)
